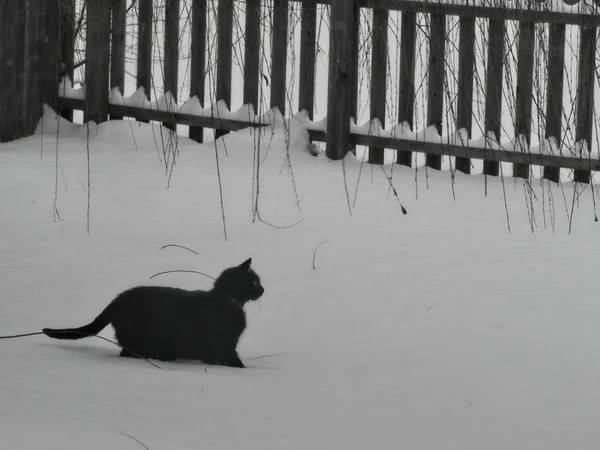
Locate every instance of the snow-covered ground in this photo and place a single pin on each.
(438, 329)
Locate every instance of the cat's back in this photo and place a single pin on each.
(155, 299)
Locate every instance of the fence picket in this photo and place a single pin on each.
(464, 100)
(224, 37)
(144, 62)
(554, 92)
(198, 60)
(435, 88)
(406, 101)
(252, 53)
(524, 92)
(117, 51)
(97, 58)
(379, 57)
(493, 89)
(279, 54)
(308, 43)
(585, 97)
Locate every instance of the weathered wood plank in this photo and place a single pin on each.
(406, 101)
(435, 85)
(117, 53)
(554, 92)
(524, 91)
(493, 88)
(251, 53)
(464, 100)
(97, 59)
(379, 56)
(198, 59)
(224, 54)
(146, 115)
(308, 40)
(171, 45)
(279, 54)
(144, 61)
(585, 95)
(342, 38)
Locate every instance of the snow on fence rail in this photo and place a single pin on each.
(105, 74)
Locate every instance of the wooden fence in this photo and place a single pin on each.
(105, 69)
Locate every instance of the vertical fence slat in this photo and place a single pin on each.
(12, 36)
(97, 61)
(67, 45)
(378, 75)
(585, 96)
(43, 68)
(251, 53)
(464, 100)
(435, 88)
(342, 44)
(117, 53)
(279, 54)
(308, 39)
(493, 88)
(198, 62)
(406, 84)
(524, 92)
(554, 92)
(171, 59)
(224, 50)
(144, 62)
(354, 71)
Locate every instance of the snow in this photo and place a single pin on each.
(434, 330)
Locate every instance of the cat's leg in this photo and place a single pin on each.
(233, 360)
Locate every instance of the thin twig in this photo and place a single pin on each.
(269, 356)
(315, 253)
(135, 439)
(179, 246)
(389, 178)
(181, 271)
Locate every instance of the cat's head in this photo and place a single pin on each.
(240, 283)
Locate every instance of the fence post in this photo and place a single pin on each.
(342, 36)
(97, 51)
(28, 65)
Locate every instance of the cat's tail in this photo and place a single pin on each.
(88, 330)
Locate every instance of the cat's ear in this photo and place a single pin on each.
(246, 264)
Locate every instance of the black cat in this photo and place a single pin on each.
(167, 323)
